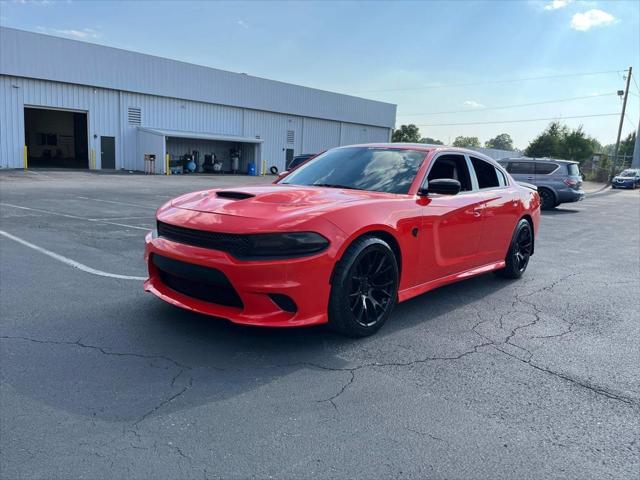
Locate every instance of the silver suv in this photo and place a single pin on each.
(558, 181)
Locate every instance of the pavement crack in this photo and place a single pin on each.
(102, 350)
(576, 381)
(164, 402)
(426, 434)
(342, 390)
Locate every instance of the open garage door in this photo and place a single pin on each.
(195, 152)
(56, 138)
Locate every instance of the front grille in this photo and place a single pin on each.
(203, 283)
(233, 243)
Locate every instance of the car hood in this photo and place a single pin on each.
(269, 200)
(624, 178)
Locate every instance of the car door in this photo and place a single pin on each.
(501, 210)
(451, 224)
(546, 174)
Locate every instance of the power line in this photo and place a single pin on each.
(634, 81)
(509, 106)
(490, 82)
(517, 121)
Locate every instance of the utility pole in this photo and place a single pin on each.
(624, 107)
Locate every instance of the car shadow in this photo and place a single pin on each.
(559, 211)
(165, 359)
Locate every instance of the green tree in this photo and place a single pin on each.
(559, 141)
(547, 144)
(577, 145)
(406, 133)
(627, 145)
(500, 142)
(462, 141)
(431, 141)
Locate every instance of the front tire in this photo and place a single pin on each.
(519, 252)
(364, 288)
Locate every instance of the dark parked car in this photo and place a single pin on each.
(558, 181)
(299, 160)
(629, 178)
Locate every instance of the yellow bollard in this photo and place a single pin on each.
(26, 157)
(264, 168)
(167, 169)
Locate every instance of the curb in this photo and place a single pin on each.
(601, 189)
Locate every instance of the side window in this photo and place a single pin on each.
(452, 166)
(486, 173)
(545, 168)
(522, 168)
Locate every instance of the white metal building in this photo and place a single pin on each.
(81, 105)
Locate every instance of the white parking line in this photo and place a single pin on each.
(118, 203)
(75, 217)
(105, 219)
(68, 261)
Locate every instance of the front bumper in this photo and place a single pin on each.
(623, 184)
(304, 280)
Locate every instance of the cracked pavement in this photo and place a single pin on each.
(537, 378)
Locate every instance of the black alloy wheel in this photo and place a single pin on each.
(372, 285)
(365, 288)
(520, 251)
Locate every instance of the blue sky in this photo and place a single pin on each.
(426, 57)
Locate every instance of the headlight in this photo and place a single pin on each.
(284, 244)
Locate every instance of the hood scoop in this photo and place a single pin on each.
(233, 195)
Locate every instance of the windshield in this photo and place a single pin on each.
(389, 170)
(629, 173)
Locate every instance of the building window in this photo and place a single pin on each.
(290, 136)
(135, 116)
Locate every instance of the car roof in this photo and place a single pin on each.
(542, 159)
(427, 147)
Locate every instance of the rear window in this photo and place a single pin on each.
(573, 169)
(485, 173)
(545, 168)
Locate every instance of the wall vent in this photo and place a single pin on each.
(291, 136)
(135, 116)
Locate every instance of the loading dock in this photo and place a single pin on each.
(176, 144)
(56, 138)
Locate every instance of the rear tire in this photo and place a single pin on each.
(364, 288)
(547, 199)
(519, 252)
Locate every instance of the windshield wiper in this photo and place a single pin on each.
(334, 185)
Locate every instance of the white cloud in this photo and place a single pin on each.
(592, 18)
(78, 34)
(557, 4)
(243, 24)
(473, 104)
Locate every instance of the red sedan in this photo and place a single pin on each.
(342, 238)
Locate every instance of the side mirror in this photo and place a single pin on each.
(443, 186)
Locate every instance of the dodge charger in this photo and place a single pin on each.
(343, 238)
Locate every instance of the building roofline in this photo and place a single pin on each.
(13, 65)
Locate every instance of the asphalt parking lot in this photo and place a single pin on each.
(538, 378)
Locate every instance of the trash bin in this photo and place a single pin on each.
(251, 169)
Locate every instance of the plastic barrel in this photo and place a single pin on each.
(251, 169)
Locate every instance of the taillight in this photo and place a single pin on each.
(569, 182)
